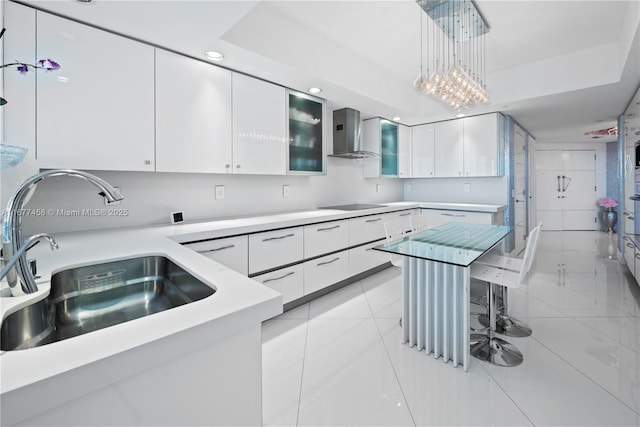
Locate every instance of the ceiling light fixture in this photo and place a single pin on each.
(315, 90)
(455, 53)
(396, 118)
(214, 55)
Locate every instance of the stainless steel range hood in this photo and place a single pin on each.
(347, 140)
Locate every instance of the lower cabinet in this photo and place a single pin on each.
(436, 217)
(322, 272)
(630, 255)
(271, 249)
(288, 281)
(363, 258)
(232, 252)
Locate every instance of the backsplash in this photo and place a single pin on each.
(151, 197)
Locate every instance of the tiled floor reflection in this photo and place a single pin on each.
(339, 360)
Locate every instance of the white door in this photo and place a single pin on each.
(520, 190)
(566, 189)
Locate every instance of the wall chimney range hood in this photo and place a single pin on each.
(347, 130)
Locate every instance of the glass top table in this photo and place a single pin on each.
(452, 243)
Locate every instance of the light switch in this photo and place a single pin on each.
(219, 192)
(285, 191)
(378, 188)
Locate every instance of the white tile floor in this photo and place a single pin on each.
(339, 360)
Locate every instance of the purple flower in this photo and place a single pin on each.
(22, 68)
(49, 64)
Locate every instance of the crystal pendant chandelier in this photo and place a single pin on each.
(454, 54)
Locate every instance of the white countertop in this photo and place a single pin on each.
(236, 297)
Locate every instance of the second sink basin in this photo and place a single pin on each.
(93, 297)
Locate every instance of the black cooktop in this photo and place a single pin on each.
(353, 207)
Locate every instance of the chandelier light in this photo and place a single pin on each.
(454, 54)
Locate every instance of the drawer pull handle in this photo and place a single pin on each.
(456, 215)
(637, 256)
(405, 214)
(278, 238)
(328, 228)
(328, 262)
(217, 249)
(630, 245)
(374, 220)
(279, 278)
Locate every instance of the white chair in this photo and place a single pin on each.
(507, 325)
(393, 231)
(488, 347)
(418, 223)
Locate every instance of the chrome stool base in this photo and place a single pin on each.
(495, 351)
(509, 326)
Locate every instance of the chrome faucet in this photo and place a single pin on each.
(17, 268)
(26, 246)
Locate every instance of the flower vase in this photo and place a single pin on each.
(610, 216)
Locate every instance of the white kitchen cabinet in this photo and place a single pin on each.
(288, 281)
(259, 126)
(363, 258)
(436, 217)
(481, 145)
(630, 255)
(271, 249)
(405, 152)
(449, 148)
(366, 229)
(193, 115)
(423, 146)
(322, 272)
(232, 252)
(380, 136)
(325, 237)
(95, 114)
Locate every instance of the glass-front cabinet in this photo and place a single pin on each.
(389, 148)
(306, 134)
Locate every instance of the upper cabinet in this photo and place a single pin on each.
(193, 115)
(259, 127)
(481, 145)
(306, 134)
(449, 148)
(422, 145)
(381, 136)
(405, 152)
(97, 111)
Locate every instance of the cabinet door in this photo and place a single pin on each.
(423, 143)
(448, 148)
(306, 134)
(325, 237)
(231, 252)
(388, 148)
(97, 113)
(371, 142)
(193, 115)
(481, 145)
(366, 229)
(405, 152)
(322, 272)
(259, 121)
(271, 249)
(288, 281)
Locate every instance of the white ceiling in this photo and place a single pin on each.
(560, 68)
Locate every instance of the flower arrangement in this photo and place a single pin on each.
(23, 68)
(607, 202)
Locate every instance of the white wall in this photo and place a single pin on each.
(151, 197)
(490, 190)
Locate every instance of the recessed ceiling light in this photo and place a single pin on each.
(396, 118)
(214, 55)
(460, 115)
(315, 90)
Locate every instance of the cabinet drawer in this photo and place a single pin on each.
(288, 281)
(322, 272)
(326, 237)
(231, 252)
(436, 217)
(367, 228)
(274, 248)
(364, 258)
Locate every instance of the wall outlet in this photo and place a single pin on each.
(219, 192)
(409, 188)
(285, 191)
(378, 188)
(107, 203)
(467, 187)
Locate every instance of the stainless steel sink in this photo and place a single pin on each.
(93, 297)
